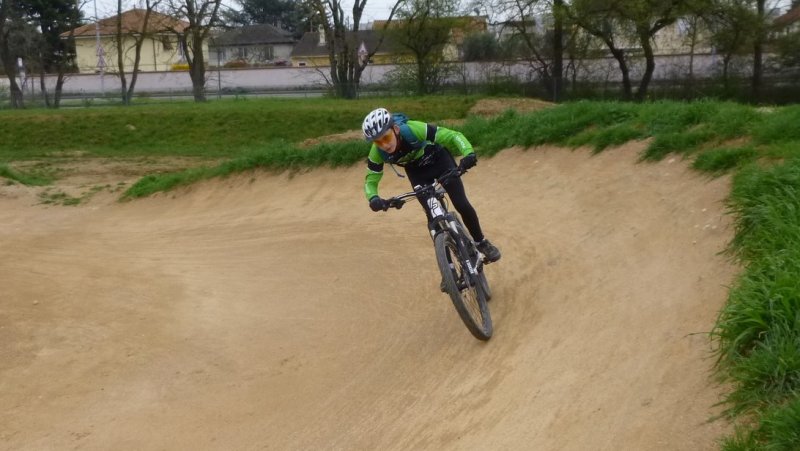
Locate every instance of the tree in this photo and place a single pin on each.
(759, 39)
(202, 16)
(10, 23)
(538, 33)
(346, 66)
(616, 22)
(787, 48)
(52, 53)
(139, 35)
(481, 47)
(292, 16)
(424, 29)
(272, 12)
(558, 49)
(731, 23)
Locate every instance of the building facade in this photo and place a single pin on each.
(97, 50)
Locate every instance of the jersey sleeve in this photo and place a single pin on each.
(453, 140)
(374, 172)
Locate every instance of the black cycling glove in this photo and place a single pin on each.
(378, 204)
(467, 162)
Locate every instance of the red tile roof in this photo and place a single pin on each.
(132, 21)
(791, 16)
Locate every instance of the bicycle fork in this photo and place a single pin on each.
(438, 215)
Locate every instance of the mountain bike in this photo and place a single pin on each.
(459, 260)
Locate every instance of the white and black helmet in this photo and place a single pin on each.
(376, 123)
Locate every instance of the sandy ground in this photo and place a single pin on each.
(276, 311)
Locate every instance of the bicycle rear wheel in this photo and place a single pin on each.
(465, 289)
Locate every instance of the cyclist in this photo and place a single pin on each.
(422, 150)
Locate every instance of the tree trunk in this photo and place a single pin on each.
(59, 87)
(692, 47)
(758, 51)
(11, 70)
(197, 68)
(345, 76)
(619, 55)
(421, 77)
(726, 62)
(650, 64)
(43, 88)
(6, 58)
(558, 50)
(123, 82)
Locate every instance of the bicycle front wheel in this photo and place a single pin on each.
(464, 288)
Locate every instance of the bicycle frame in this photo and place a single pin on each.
(442, 220)
(458, 258)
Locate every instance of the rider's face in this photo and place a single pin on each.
(387, 142)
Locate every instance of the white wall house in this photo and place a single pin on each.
(252, 45)
(160, 49)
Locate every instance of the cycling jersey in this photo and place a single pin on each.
(430, 139)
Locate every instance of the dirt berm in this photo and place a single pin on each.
(270, 311)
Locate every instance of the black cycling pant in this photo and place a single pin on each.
(442, 162)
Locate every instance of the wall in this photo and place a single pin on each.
(154, 56)
(294, 78)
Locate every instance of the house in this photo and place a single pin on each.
(252, 45)
(673, 39)
(789, 22)
(312, 49)
(462, 26)
(160, 49)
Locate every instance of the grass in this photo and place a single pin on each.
(277, 156)
(721, 160)
(757, 333)
(24, 178)
(217, 129)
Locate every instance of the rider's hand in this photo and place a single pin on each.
(378, 204)
(467, 162)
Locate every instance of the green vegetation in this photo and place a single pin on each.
(277, 156)
(23, 178)
(757, 334)
(57, 197)
(673, 127)
(212, 130)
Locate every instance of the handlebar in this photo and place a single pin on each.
(399, 200)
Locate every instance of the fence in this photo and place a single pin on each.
(305, 82)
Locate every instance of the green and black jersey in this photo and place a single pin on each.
(410, 152)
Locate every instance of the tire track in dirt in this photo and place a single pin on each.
(277, 311)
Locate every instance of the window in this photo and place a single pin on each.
(267, 53)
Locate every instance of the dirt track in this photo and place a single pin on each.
(278, 312)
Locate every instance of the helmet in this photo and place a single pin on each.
(376, 123)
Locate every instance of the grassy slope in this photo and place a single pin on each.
(757, 333)
(214, 129)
